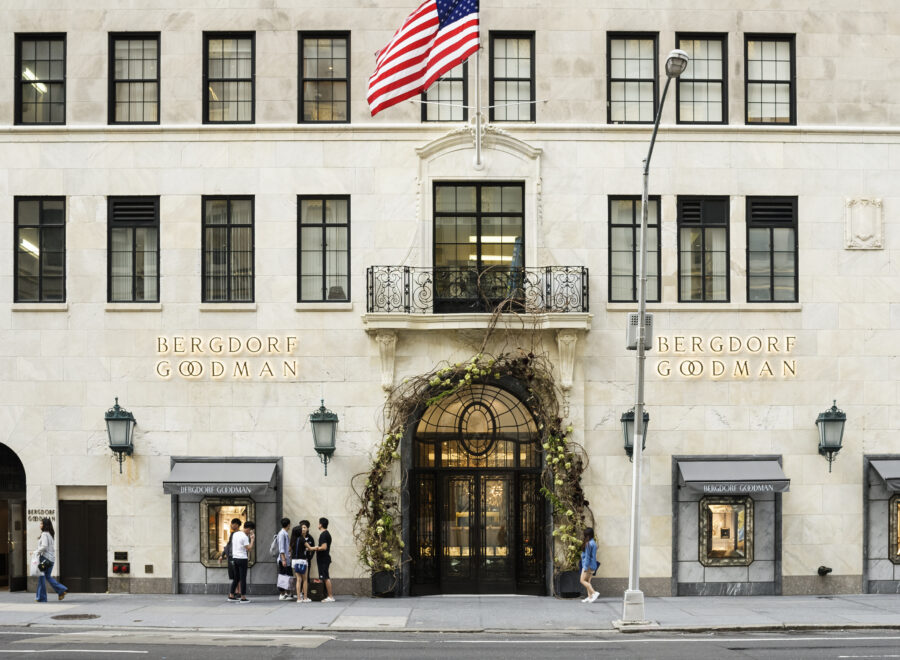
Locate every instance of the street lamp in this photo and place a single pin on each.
(633, 605)
(324, 427)
(627, 420)
(119, 428)
(831, 431)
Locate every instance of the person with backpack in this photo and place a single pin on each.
(301, 555)
(282, 543)
(589, 564)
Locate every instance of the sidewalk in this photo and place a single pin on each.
(524, 614)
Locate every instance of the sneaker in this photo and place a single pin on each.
(585, 600)
(594, 597)
(282, 597)
(63, 594)
(306, 600)
(233, 599)
(328, 600)
(245, 600)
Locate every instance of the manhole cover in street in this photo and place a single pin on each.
(74, 617)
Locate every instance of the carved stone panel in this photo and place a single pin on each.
(864, 224)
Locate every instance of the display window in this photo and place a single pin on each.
(216, 515)
(726, 531)
(894, 528)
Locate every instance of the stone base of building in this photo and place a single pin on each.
(813, 585)
(125, 585)
(609, 587)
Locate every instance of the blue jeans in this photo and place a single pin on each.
(41, 594)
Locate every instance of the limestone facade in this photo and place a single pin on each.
(62, 364)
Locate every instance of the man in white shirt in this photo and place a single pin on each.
(241, 544)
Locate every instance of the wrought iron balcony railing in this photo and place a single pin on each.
(443, 290)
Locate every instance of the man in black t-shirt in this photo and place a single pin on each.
(323, 558)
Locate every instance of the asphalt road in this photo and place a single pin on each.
(197, 645)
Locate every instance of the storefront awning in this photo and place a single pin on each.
(223, 479)
(889, 471)
(734, 477)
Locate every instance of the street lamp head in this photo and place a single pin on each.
(676, 63)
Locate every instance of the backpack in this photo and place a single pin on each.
(273, 549)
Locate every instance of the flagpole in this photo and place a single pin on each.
(478, 164)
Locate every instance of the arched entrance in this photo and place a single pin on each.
(477, 514)
(13, 576)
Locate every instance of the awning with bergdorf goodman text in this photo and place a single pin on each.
(232, 479)
(733, 477)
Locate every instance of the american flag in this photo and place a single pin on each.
(434, 38)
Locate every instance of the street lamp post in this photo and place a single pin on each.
(633, 606)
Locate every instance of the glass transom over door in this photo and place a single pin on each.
(477, 513)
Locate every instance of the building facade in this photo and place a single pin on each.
(200, 217)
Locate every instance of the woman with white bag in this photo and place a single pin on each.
(301, 553)
(46, 556)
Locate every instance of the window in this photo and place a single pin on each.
(772, 249)
(703, 249)
(479, 249)
(133, 247)
(216, 515)
(726, 531)
(134, 78)
(770, 90)
(631, 78)
(325, 77)
(625, 246)
(894, 528)
(447, 99)
(40, 268)
(229, 78)
(703, 87)
(512, 76)
(324, 242)
(40, 79)
(227, 249)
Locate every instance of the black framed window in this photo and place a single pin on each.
(134, 78)
(512, 76)
(216, 514)
(448, 98)
(631, 85)
(770, 87)
(227, 249)
(133, 249)
(324, 77)
(324, 244)
(229, 78)
(702, 91)
(703, 274)
(772, 249)
(40, 94)
(40, 256)
(625, 246)
(726, 531)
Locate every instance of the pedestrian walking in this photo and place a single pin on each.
(323, 559)
(241, 544)
(302, 545)
(227, 553)
(283, 540)
(47, 557)
(589, 564)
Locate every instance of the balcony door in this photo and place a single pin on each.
(477, 508)
(479, 257)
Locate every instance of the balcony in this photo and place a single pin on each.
(454, 290)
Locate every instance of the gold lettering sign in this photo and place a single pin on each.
(735, 357)
(226, 357)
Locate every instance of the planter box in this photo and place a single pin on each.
(566, 584)
(385, 584)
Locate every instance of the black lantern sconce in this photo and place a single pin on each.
(324, 428)
(120, 428)
(627, 420)
(831, 432)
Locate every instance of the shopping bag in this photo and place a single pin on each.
(284, 582)
(35, 560)
(316, 590)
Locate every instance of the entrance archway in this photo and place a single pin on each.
(13, 576)
(477, 514)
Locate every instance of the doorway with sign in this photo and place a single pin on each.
(477, 519)
(13, 575)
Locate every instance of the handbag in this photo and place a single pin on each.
(316, 590)
(43, 564)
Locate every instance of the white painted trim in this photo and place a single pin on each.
(40, 307)
(227, 307)
(324, 307)
(708, 307)
(133, 307)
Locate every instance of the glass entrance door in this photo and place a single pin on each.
(16, 546)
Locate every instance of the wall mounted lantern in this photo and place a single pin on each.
(831, 431)
(324, 428)
(120, 428)
(627, 420)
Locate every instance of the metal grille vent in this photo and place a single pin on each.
(772, 210)
(133, 210)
